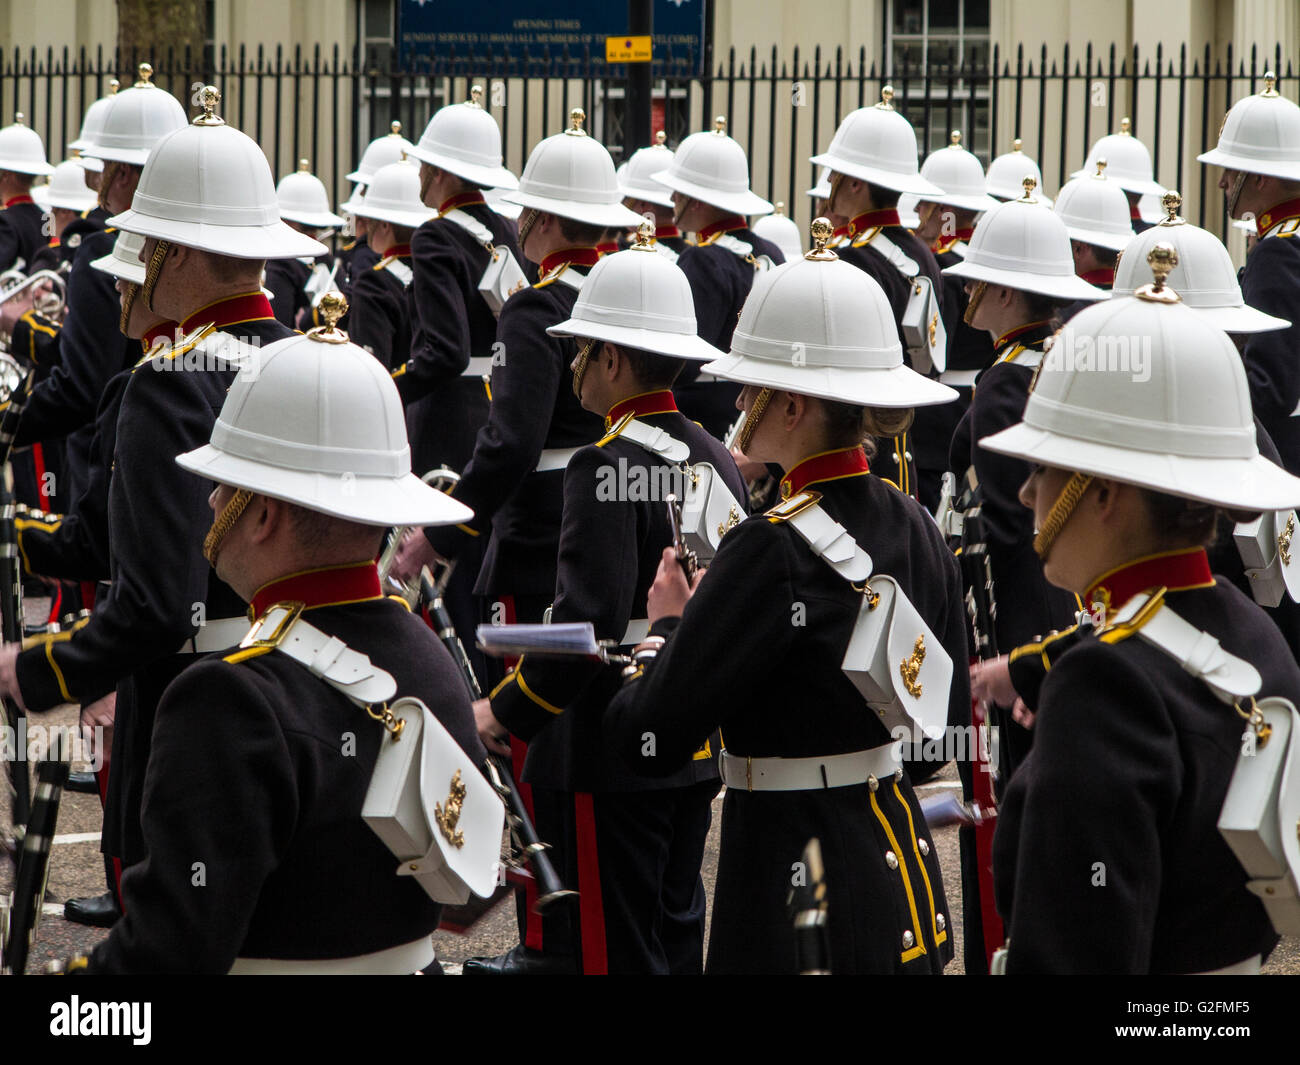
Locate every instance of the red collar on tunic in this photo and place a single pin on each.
(828, 466)
(886, 216)
(1103, 278)
(461, 199)
(1134, 215)
(1175, 571)
(247, 307)
(398, 251)
(660, 402)
(352, 582)
(722, 225)
(667, 232)
(1266, 221)
(569, 257)
(162, 331)
(944, 244)
(607, 247)
(1015, 334)
(23, 198)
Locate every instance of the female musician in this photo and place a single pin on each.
(758, 648)
(1107, 856)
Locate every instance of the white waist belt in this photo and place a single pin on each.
(959, 378)
(809, 774)
(479, 366)
(554, 458)
(395, 961)
(216, 635)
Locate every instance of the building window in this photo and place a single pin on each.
(941, 39)
(377, 31)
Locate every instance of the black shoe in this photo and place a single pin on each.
(84, 783)
(100, 911)
(520, 961)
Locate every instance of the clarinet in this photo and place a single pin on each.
(807, 901)
(11, 605)
(523, 833)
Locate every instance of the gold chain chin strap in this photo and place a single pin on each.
(752, 419)
(526, 222)
(154, 270)
(224, 522)
(1234, 193)
(128, 301)
(580, 367)
(981, 287)
(106, 178)
(1060, 513)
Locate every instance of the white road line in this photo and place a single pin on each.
(78, 837)
(947, 785)
(52, 909)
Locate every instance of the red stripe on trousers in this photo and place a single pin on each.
(982, 793)
(590, 906)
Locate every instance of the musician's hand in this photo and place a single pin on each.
(991, 681)
(13, 309)
(749, 469)
(97, 725)
(1024, 717)
(493, 734)
(9, 674)
(415, 553)
(669, 593)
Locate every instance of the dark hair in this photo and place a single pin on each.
(25, 180)
(848, 425)
(402, 234)
(1109, 256)
(580, 234)
(1185, 521)
(317, 532)
(882, 197)
(1040, 308)
(653, 371)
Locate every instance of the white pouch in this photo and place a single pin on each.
(502, 278)
(433, 809)
(897, 663)
(923, 329)
(709, 512)
(1265, 548)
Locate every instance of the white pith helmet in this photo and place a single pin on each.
(302, 198)
(137, 119)
(1095, 209)
(1023, 245)
(1128, 162)
(572, 175)
(638, 299)
(355, 198)
(393, 195)
(1204, 275)
(91, 124)
(713, 168)
(1182, 424)
(22, 151)
(124, 260)
(822, 190)
(1260, 135)
(495, 198)
(1006, 174)
(781, 231)
(959, 177)
(634, 176)
(321, 425)
(465, 140)
(878, 145)
(208, 186)
(380, 152)
(821, 327)
(67, 189)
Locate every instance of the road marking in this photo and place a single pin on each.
(78, 837)
(947, 785)
(51, 909)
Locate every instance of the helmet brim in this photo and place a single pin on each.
(494, 177)
(1055, 286)
(672, 345)
(892, 386)
(273, 241)
(746, 202)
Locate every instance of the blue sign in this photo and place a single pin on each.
(523, 29)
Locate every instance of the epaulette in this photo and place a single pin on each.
(616, 430)
(868, 235)
(788, 508)
(1040, 647)
(1132, 617)
(401, 599)
(186, 343)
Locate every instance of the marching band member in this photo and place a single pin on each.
(514, 481)
(1107, 854)
(22, 161)
(1128, 165)
(1259, 151)
(310, 460)
(650, 198)
(1006, 175)
(947, 222)
(709, 179)
(305, 207)
(763, 638)
(873, 159)
(1095, 214)
(66, 198)
(163, 603)
(643, 836)
(380, 312)
(356, 256)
